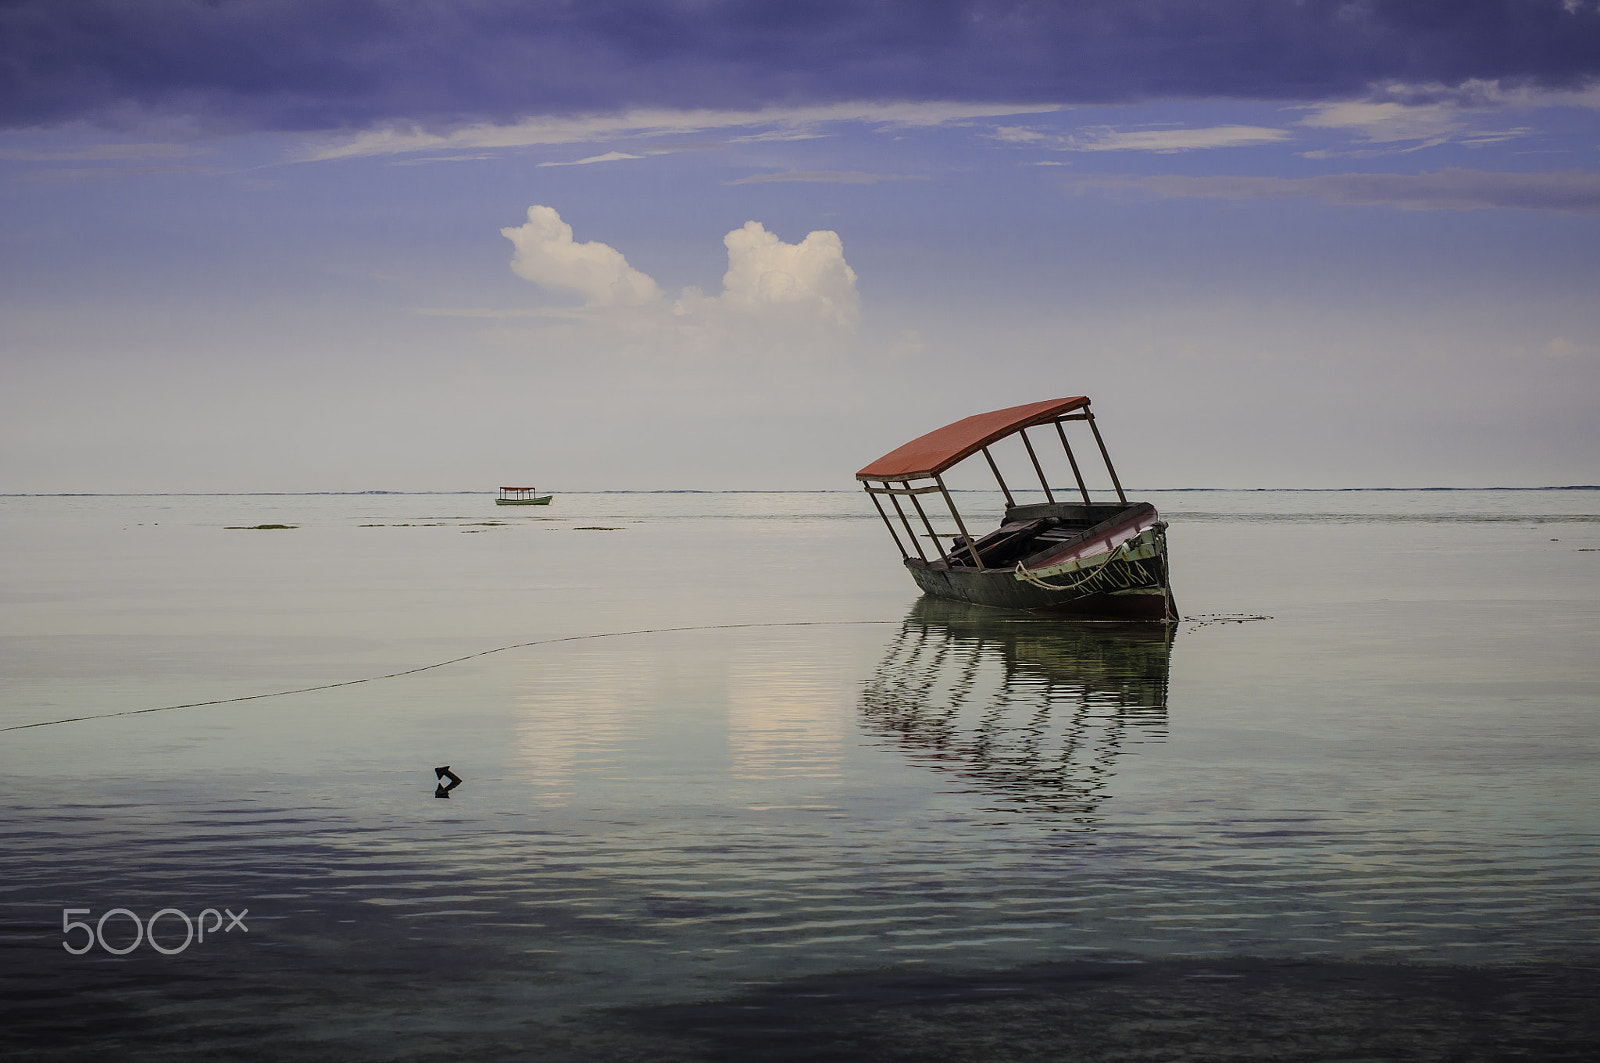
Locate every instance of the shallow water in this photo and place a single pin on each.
(720, 743)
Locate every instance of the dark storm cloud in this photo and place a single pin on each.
(320, 64)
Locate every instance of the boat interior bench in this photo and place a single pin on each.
(1029, 530)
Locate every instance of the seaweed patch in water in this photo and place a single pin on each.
(1201, 620)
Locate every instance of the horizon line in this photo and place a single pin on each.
(738, 491)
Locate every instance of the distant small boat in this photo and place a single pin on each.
(522, 496)
(1094, 560)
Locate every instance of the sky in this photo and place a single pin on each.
(344, 245)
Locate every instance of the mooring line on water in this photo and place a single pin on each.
(442, 664)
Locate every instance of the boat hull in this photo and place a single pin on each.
(542, 500)
(1127, 582)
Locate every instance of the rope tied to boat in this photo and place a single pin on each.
(1120, 549)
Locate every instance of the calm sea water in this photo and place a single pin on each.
(711, 742)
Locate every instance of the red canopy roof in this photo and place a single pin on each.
(938, 450)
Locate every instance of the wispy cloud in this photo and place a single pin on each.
(490, 313)
(536, 132)
(1389, 121)
(1160, 140)
(610, 156)
(1401, 117)
(1174, 140)
(1563, 192)
(1491, 93)
(98, 153)
(102, 162)
(1018, 134)
(835, 177)
(81, 174)
(1561, 347)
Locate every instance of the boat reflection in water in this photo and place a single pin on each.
(1032, 711)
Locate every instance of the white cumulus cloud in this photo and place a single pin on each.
(780, 334)
(767, 279)
(764, 273)
(547, 255)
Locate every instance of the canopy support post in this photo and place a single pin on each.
(1076, 475)
(1106, 455)
(926, 523)
(1048, 497)
(892, 534)
(910, 532)
(972, 547)
(998, 478)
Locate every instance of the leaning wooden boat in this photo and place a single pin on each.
(522, 496)
(1098, 560)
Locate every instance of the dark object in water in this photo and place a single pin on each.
(261, 527)
(440, 773)
(1086, 559)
